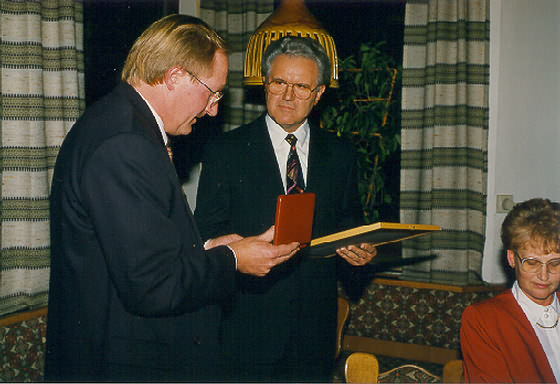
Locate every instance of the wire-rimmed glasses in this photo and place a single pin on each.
(301, 91)
(215, 95)
(532, 265)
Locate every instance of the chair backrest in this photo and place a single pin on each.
(408, 373)
(453, 372)
(361, 367)
(342, 316)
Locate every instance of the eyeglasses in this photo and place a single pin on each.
(302, 91)
(532, 265)
(215, 97)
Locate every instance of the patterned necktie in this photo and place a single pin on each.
(294, 175)
(169, 152)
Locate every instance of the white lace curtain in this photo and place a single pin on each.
(41, 96)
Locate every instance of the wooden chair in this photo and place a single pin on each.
(342, 316)
(453, 372)
(408, 373)
(363, 367)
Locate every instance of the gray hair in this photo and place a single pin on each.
(302, 47)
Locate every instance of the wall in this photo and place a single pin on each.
(524, 138)
(189, 7)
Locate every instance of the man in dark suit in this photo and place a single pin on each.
(282, 327)
(133, 290)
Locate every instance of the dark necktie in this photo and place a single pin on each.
(294, 176)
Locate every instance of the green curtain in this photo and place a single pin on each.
(41, 96)
(445, 136)
(236, 20)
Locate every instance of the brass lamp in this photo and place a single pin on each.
(291, 18)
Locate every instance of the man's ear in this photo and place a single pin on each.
(319, 94)
(172, 77)
(511, 258)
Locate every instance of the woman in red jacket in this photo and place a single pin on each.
(515, 336)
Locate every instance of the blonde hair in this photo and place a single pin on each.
(175, 40)
(533, 223)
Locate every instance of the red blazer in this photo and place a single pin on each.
(500, 345)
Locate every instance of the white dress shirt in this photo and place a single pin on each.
(548, 317)
(282, 147)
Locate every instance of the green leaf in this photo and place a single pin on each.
(342, 114)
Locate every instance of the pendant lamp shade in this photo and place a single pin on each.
(294, 19)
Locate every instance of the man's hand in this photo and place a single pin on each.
(358, 256)
(222, 240)
(257, 256)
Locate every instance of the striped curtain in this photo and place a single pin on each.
(444, 136)
(236, 20)
(41, 95)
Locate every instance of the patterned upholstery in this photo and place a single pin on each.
(410, 315)
(22, 350)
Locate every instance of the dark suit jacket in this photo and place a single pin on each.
(296, 302)
(499, 344)
(130, 282)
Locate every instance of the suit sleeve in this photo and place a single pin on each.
(152, 248)
(483, 361)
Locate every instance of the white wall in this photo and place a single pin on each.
(189, 7)
(524, 136)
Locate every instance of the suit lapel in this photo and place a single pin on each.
(152, 129)
(261, 152)
(318, 176)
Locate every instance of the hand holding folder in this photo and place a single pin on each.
(294, 222)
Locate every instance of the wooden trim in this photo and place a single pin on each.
(400, 350)
(22, 316)
(441, 287)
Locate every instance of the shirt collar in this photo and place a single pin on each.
(533, 310)
(278, 134)
(159, 121)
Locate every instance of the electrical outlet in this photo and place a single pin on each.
(504, 203)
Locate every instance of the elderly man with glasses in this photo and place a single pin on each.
(515, 336)
(282, 328)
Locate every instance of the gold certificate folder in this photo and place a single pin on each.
(378, 234)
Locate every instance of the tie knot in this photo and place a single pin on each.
(291, 139)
